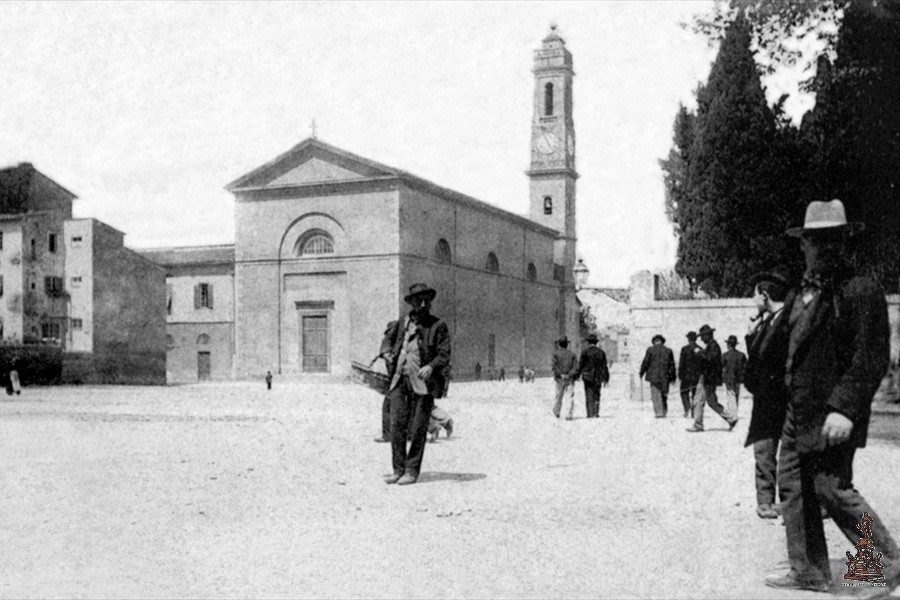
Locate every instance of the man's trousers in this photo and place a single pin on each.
(592, 399)
(765, 451)
(688, 391)
(824, 477)
(707, 395)
(564, 387)
(660, 400)
(410, 413)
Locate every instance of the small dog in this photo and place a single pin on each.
(439, 418)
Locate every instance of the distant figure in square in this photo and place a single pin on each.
(659, 366)
(733, 363)
(565, 372)
(689, 365)
(710, 378)
(594, 372)
(478, 371)
(529, 375)
(521, 373)
(268, 380)
(502, 374)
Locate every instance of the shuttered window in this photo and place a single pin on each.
(203, 295)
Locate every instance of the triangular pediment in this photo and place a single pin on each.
(311, 162)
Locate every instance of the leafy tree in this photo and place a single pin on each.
(730, 215)
(675, 167)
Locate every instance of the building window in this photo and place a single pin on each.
(442, 252)
(53, 286)
(559, 273)
(1, 285)
(492, 264)
(314, 243)
(33, 249)
(531, 272)
(1, 240)
(203, 340)
(548, 205)
(492, 349)
(76, 282)
(50, 330)
(77, 324)
(203, 295)
(170, 341)
(548, 100)
(76, 241)
(51, 242)
(169, 299)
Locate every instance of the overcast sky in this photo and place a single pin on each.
(147, 110)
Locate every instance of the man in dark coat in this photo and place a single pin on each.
(710, 378)
(419, 355)
(594, 373)
(385, 352)
(838, 352)
(689, 372)
(733, 363)
(659, 365)
(565, 372)
(767, 346)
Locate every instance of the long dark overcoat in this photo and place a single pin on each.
(767, 347)
(659, 365)
(839, 363)
(593, 368)
(434, 349)
(689, 364)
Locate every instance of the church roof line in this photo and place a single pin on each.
(382, 172)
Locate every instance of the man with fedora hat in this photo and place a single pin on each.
(733, 363)
(565, 372)
(838, 352)
(420, 354)
(594, 373)
(659, 366)
(767, 345)
(710, 378)
(689, 371)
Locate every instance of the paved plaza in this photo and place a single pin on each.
(227, 490)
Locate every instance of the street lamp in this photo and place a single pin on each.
(581, 273)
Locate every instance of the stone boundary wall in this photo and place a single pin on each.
(728, 316)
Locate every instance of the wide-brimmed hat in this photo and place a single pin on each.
(706, 329)
(775, 276)
(420, 289)
(824, 216)
(732, 339)
(658, 337)
(592, 338)
(692, 335)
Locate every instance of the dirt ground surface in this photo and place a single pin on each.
(227, 490)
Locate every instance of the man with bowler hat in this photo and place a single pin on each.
(659, 365)
(565, 372)
(767, 346)
(733, 363)
(838, 352)
(710, 378)
(689, 372)
(421, 352)
(594, 373)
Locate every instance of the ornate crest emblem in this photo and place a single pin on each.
(866, 565)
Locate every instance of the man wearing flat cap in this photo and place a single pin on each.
(689, 366)
(710, 378)
(659, 366)
(733, 363)
(594, 372)
(838, 352)
(420, 353)
(565, 372)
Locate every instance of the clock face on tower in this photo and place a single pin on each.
(547, 143)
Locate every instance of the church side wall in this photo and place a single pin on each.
(480, 306)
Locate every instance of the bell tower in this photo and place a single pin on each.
(552, 171)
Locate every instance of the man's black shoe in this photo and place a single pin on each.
(791, 582)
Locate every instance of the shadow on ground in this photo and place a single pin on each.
(429, 476)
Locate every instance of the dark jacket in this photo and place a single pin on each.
(767, 348)
(733, 363)
(565, 364)
(434, 349)
(659, 365)
(592, 367)
(840, 361)
(689, 364)
(711, 363)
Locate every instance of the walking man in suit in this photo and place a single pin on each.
(710, 378)
(733, 363)
(838, 352)
(594, 373)
(565, 372)
(659, 365)
(767, 345)
(689, 372)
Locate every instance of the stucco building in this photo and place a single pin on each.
(327, 243)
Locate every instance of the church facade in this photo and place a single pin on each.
(328, 242)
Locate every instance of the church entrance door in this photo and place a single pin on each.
(203, 366)
(314, 343)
